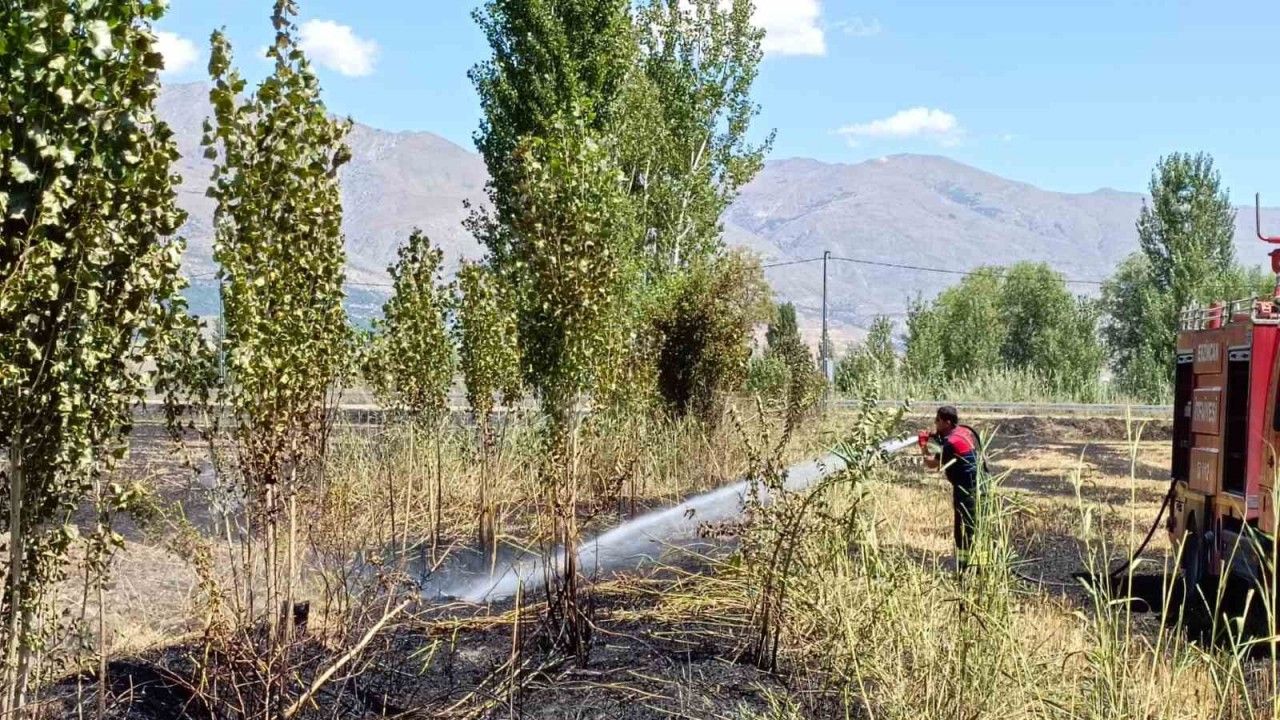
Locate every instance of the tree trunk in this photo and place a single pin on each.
(13, 669)
(486, 534)
(102, 648)
(436, 533)
(269, 566)
(292, 559)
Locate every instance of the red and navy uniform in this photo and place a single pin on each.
(961, 455)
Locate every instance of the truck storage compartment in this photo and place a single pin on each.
(1235, 439)
(1184, 381)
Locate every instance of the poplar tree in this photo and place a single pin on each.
(562, 231)
(487, 339)
(89, 277)
(279, 246)
(1186, 257)
(413, 353)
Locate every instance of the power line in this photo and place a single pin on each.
(916, 268)
(791, 262)
(920, 268)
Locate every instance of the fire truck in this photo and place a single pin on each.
(1226, 430)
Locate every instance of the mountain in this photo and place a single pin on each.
(914, 210)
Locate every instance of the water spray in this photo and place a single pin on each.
(640, 539)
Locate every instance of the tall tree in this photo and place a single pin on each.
(562, 230)
(874, 358)
(782, 335)
(487, 338)
(684, 134)
(688, 114)
(279, 245)
(974, 328)
(574, 237)
(550, 59)
(88, 275)
(413, 357)
(1050, 332)
(1186, 257)
(1186, 231)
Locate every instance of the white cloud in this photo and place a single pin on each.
(791, 27)
(337, 47)
(179, 53)
(914, 122)
(857, 27)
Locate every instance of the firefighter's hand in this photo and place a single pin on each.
(923, 439)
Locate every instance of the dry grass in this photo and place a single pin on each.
(884, 631)
(890, 632)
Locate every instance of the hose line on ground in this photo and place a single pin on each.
(1168, 497)
(1164, 505)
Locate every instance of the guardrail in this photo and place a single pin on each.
(361, 414)
(1144, 412)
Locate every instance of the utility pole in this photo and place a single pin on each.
(822, 342)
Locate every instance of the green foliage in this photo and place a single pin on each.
(684, 132)
(1048, 331)
(562, 230)
(924, 362)
(786, 373)
(782, 335)
(874, 359)
(280, 247)
(1021, 318)
(706, 328)
(412, 358)
(1186, 232)
(573, 269)
(89, 283)
(1186, 258)
(552, 60)
(486, 335)
(766, 375)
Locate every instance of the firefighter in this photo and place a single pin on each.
(956, 449)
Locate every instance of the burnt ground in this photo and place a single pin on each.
(457, 662)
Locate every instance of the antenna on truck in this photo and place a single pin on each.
(1257, 219)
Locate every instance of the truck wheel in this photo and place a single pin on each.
(1192, 594)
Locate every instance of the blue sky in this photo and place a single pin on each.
(1070, 95)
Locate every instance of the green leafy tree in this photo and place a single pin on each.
(278, 241)
(1048, 331)
(551, 59)
(1186, 231)
(1186, 258)
(875, 358)
(89, 283)
(782, 335)
(562, 228)
(684, 144)
(974, 328)
(706, 326)
(487, 338)
(787, 358)
(413, 357)
(688, 115)
(1021, 318)
(924, 362)
(573, 241)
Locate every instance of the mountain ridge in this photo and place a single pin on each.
(921, 210)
